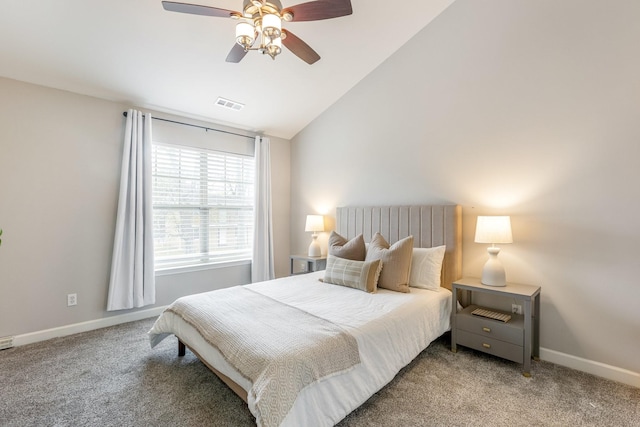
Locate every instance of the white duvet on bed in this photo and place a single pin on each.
(391, 329)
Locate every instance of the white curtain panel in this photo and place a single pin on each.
(262, 266)
(132, 281)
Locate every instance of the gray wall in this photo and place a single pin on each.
(60, 157)
(525, 108)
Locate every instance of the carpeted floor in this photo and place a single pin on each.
(111, 377)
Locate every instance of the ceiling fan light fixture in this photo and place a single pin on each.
(271, 25)
(262, 19)
(274, 47)
(245, 34)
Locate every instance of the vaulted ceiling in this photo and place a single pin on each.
(137, 53)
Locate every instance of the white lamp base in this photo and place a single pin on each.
(314, 247)
(493, 273)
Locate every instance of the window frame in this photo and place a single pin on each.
(207, 258)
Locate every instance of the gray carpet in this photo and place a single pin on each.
(111, 377)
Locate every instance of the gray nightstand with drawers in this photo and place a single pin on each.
(517, 340)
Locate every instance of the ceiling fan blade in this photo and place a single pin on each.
(300, 48)
(236, 54)
(196, 9)
(321, 9)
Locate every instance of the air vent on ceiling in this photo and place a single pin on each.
(232, 105)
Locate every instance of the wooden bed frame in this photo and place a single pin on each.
(430, 226)
(225, 379)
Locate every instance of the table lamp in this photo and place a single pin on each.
(493, 229)
(314, 224)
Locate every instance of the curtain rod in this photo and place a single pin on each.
(197, 126)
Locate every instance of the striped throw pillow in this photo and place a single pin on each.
(362, 275)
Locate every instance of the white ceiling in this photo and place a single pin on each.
(133, 51)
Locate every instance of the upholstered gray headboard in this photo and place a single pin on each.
(430, 226)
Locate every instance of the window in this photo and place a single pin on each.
(202, 206)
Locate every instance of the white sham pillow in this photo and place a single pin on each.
(426, 267)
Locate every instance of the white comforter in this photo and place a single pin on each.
(391, 329)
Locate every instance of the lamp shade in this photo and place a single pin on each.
(314, 223)
(244, 34)
(274, 47)
(271, 25)
(493, 229)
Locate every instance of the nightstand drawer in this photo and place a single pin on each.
(490, 345)
(510, 332)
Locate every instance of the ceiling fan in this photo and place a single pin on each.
(262, 20)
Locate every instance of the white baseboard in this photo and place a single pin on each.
(589, 366)
(90, 325)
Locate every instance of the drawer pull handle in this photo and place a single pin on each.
(485, 345)
(486, 329)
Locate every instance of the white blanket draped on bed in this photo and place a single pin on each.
(391, 329)
(279, 348)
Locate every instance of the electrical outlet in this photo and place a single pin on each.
(72, 299)
(516, 309)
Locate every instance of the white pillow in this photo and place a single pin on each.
(426, 266)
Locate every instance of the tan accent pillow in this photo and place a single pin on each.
(362, 275)
(396, 262)
(353, 249)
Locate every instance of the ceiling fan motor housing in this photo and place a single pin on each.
(251, 8)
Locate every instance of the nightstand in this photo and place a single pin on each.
(313, 263)
(517, 340)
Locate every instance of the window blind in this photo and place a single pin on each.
(202, 206)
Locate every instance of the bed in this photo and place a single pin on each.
(360, 340)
